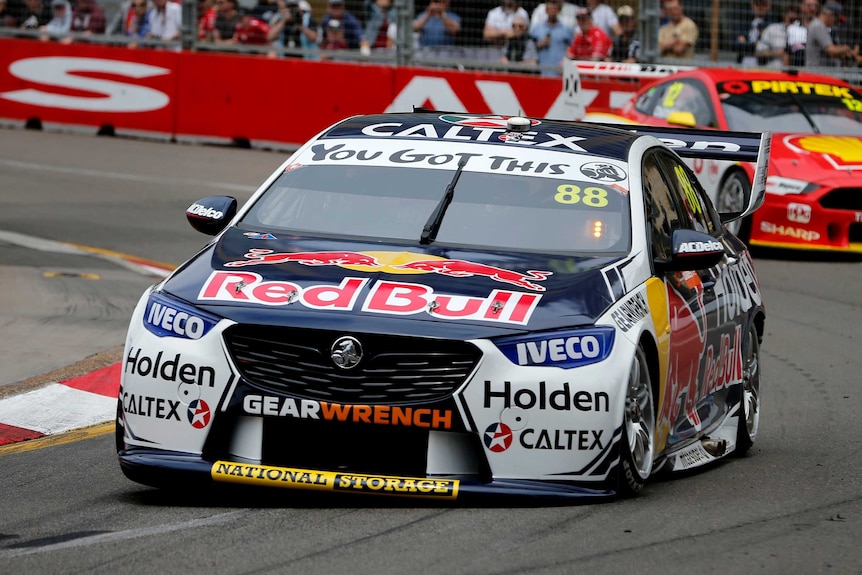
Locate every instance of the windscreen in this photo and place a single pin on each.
(488, 209)
(790, 106)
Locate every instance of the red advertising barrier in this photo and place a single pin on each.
(217, 96)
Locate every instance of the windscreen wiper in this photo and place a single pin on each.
(804, 112)
(432, 226)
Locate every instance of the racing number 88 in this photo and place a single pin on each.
(592, 196)
(688, 189)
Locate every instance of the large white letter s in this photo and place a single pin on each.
(113, 96)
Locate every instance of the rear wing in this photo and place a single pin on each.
(716, 145)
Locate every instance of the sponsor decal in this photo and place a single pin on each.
(471, 133)
(265, 475)
(351, 413)
(736, 290)
(699, 247)
(603, 172)
(480, 162)
(168, 318)
(570, 349)
(155, 407)
(259, 236)
(538, 397)
(789, 232)
(630, 312)
(784, 87)
(199, 413)
(686, 348)
(561, 439)
(204, 212)
(799, 213)
(168, 368)
(416, 263)
(842, 152)
(723, 368)
(385, 297)
(498, 437)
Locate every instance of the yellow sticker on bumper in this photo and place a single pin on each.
(285, 477)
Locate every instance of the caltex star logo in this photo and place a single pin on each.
(199, 414)
(498, 437)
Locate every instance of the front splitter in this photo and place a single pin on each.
(163, 469)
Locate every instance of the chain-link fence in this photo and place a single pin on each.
(502, 35)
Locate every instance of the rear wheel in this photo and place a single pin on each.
(637, 447)
(749, 409)
(732, 192)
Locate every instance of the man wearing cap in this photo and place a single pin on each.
(627, 46)
(591, 43)
(348, 24)
(820, 50)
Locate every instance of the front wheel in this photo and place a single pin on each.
(732, 195)
(749, 409)
(637, 447)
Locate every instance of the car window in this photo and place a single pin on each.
(662, 212)
(690, 197)
(487, 210)
(685, 95)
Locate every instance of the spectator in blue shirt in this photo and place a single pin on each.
(335, 10)
(552, 38)
(437, 25)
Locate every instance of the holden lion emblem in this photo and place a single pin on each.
(346, 352)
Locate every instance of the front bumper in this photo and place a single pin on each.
(177, 470)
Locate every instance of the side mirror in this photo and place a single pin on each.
(212, 214)
(692, 250)
(686, 119)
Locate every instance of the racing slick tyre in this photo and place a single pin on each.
(732, 194)
(749, 408)
(637, 445)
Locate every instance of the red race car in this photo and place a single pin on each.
(814, 195)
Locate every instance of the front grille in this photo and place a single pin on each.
(393, 369)
(843, 199)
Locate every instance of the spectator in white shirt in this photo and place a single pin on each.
(166, 20)
(498, 23)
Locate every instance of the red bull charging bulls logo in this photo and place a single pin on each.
(398, 263)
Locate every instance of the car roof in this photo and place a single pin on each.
(556, 135)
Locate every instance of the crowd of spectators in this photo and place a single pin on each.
(540, 35)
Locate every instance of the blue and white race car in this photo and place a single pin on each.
(436, 305)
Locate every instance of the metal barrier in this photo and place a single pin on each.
(727, 31)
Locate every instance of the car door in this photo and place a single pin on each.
(688, 405)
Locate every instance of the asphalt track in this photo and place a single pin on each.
(793, 506)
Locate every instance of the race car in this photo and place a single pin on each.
(813, 200)
(446, 305)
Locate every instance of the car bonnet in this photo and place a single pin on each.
(253, 277)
